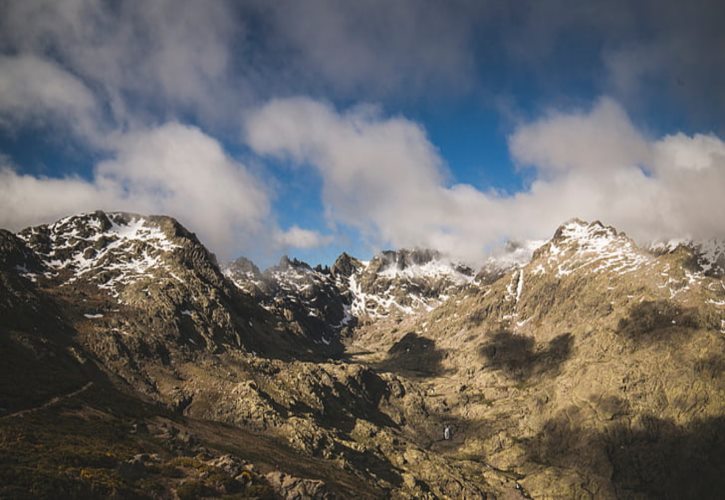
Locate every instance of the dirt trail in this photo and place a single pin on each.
(52, 402)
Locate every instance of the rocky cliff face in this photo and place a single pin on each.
(309, 300)
(592, 368)
(143, 292)
(323, 301)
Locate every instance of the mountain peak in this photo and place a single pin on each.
(285, 262)
(114, 249)
(404, 257)
(580, 230)
(589, 246)
(345, 265)
(244, 265)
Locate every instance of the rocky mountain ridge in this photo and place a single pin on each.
(593, 369)
(352, 291)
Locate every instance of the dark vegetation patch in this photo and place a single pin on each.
(87, 448)
(413, 354)
(74, 456)
(663, 320)
(519, 357)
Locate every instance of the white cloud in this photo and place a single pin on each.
(606, 168)
(143, 59)
(179, 170)
(27, 200)
(383, 176)
(296, 237)
(95, 66)
(38, 92)
(699, 152)
(173, 169)
(374, 170)
(598, 140)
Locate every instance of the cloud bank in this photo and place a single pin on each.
(383, 176)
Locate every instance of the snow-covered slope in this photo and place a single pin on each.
(111, 250)
(592, 247)
(404, 281)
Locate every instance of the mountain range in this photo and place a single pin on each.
(136, 365)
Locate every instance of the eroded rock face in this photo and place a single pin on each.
(595, 368)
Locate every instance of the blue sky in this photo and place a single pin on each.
(314, 127)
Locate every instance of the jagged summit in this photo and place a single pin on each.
(418, 263)
(113, 250)
(404, 258)
(578, 244)
(581, 231)
(707, 255)
(345, 265)
(286, 263)
(243, 264)
(392, 282)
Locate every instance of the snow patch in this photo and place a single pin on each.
(595, 248)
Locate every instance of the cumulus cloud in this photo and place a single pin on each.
(382, 175)
(143, 59)
(172, 169)
(184, 57)
(373, 169)
(682, 152)
(111, 72)
(596, 140)
(208, 60)
(38, 92)
(296, 237)
(651, 187)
